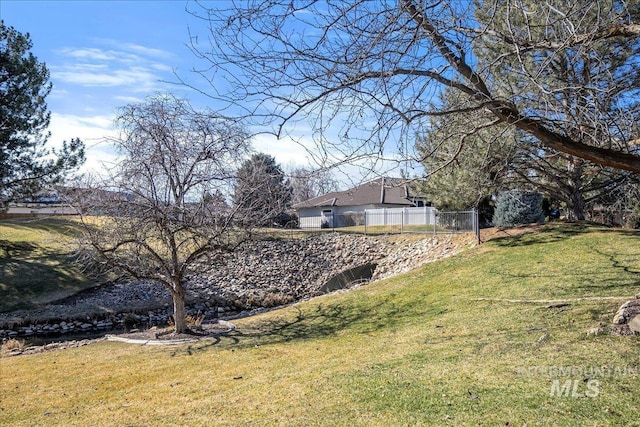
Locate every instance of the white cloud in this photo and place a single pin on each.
(139, 79)
(147, 51)
(284, 150)
(127, 99)
(96, 54)
(130, 66)
(94, 131)
(92, 127)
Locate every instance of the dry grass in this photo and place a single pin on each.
(419, 349)
(10, 345)
(37, 261)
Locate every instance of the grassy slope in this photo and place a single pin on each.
(35, 261)
(419, 349)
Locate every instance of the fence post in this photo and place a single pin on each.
(435, 220)
(476, 224)
(366, 220)
(402, 221)
(426, 218)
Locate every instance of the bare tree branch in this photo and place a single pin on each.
(367, 75)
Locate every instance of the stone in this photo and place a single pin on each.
(627, 319)
(619, 318)
(593, 331)
(630, 304)
(292, 270)
(634, 324)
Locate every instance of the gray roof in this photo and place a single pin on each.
(382, 191)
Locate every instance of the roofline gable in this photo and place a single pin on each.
(367, 193)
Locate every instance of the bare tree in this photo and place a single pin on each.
(365, 73)
(308, 183)
(161, 216)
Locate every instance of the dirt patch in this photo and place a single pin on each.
(487, 234)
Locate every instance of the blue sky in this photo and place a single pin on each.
(104, 54)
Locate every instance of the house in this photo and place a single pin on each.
(343, 208)
(46, 202)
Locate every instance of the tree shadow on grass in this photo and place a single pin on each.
(10, 249)
(624, 272)
(558, 231)
(317, 322)
(610, 272)
(29, 271)
(58, 225)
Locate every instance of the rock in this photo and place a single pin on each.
(630, 304)
(597, 331)
(619, 318)
(263, 273)
(627, 319)
(634, 324)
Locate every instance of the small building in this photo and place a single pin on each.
(44, 203)
(344, 208)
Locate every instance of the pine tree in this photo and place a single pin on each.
(518, 208)
(25, 164)
(261, 190)
(583, 88)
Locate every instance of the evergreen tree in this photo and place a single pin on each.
(25, 162)
(581, 87)
(518, 208)
(261, 190)
(464, 163)
(589, 91)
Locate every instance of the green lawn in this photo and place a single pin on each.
(438, 346)
(36, 261)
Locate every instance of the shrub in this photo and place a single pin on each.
(351, 219)
(195, 321)
(276, 299)
(11, 344)
(518, 207)
(286, 220)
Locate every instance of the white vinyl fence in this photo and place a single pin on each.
(398, 220)
(401, 216)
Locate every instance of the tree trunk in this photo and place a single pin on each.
(179, 312)
(575, 168)
(576, 210)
